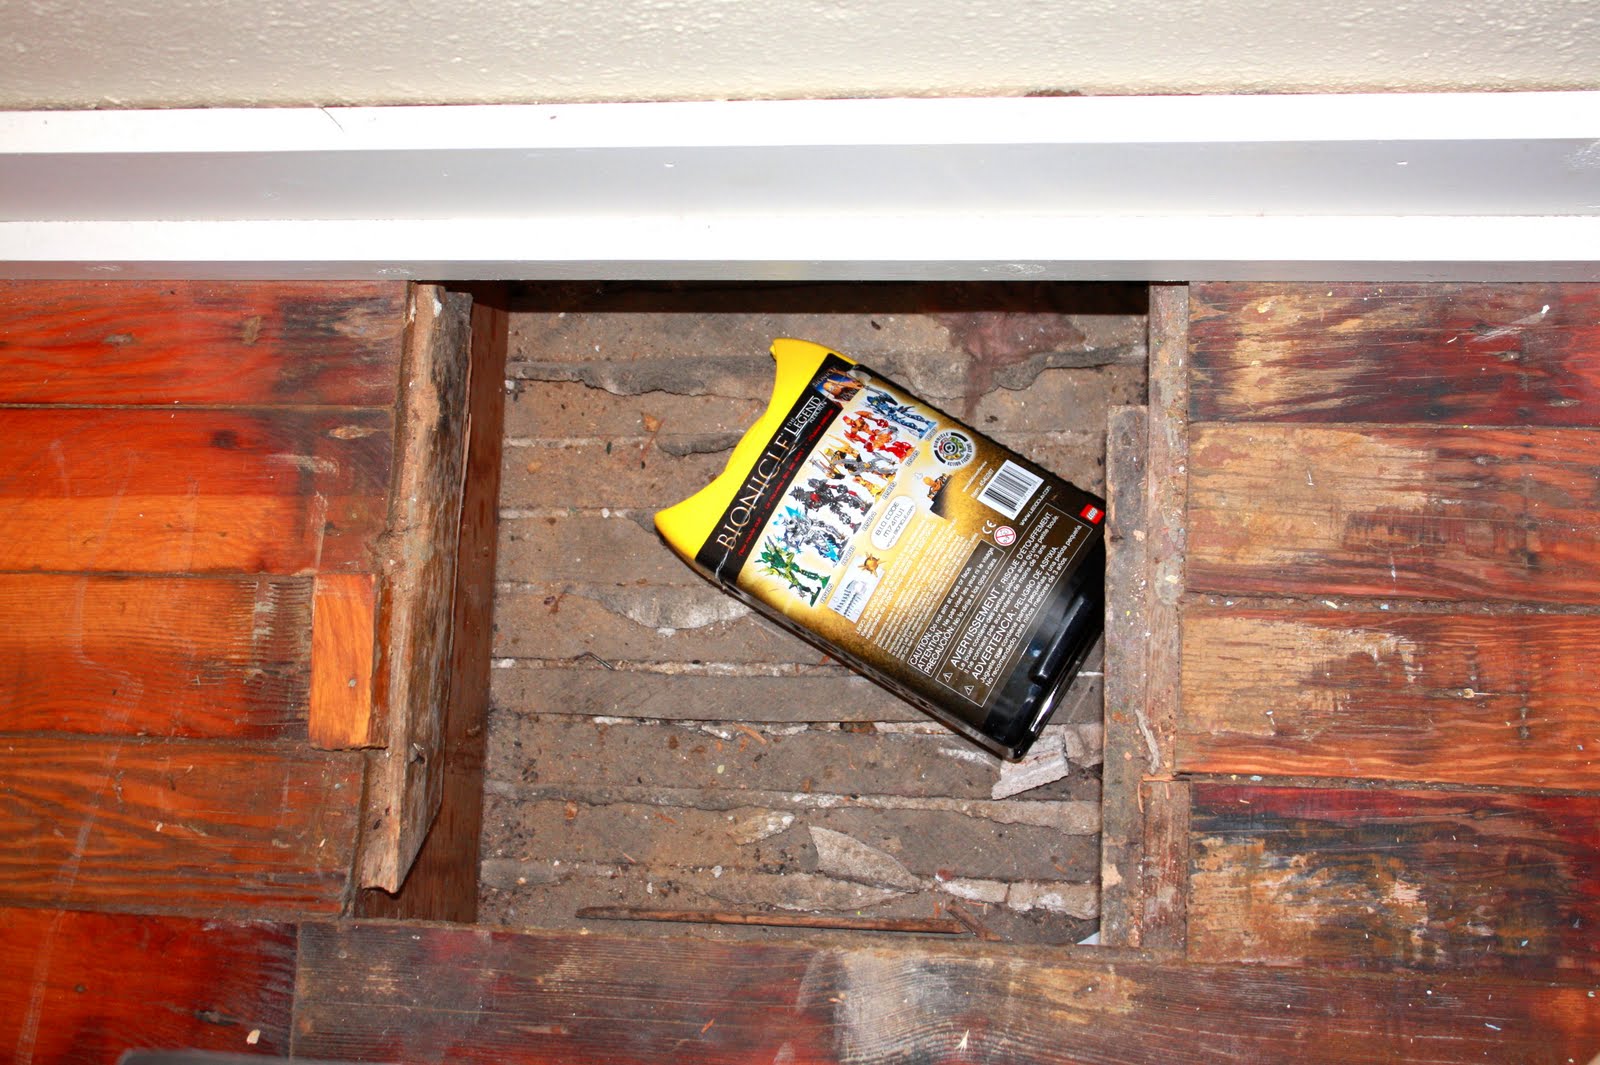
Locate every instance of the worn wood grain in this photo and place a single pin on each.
(957, 840)
(1162, 806)
(1434, 513)
(443, 881)
(942, 926)
(180, 826)
(1167, 490)
(81, 988)
(200, 342)
(1164, 866)
(792, 694)
(1379, 879)
(1522, 354)
(431, 994)
(343, 630)
(1502, 699)
(222, 657)
(191, 490)
(735, 757)
(417, 584)
(1127, 582)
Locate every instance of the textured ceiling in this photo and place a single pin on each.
(165, 53)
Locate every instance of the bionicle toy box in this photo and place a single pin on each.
(964, 578)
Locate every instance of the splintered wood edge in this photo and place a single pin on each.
(1128, 751)
(341, 713)
(1160, 921)
(416, 589)
(442, 884)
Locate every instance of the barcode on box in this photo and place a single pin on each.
(1009, 490)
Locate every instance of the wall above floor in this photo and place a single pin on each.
(191, 53)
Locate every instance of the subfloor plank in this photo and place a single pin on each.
(794, 694)
(927, 843)
(1465, 354)
(735, 756)
(1501, 699)
(218, 657)
(81, 988)
(201, 342)
(425, 994)
(1431, 513)
(179, 826)
(1380, 879)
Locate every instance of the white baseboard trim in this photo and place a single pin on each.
(1407, 187)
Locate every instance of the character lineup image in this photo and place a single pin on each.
(874, 451)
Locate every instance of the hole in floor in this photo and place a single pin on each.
(655, 745)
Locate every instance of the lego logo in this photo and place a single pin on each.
(1091, 514)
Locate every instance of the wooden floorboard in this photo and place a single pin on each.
(1421, 512)
(1519, 354)
(1374, 878)
(217, 657)
(83, 988)
(208, 343)
(1306, 691)
(176, 826)
(192, 491)
(1504, 699)
(430, 994)
(1394, 570)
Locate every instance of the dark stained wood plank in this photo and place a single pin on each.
(1519, 354)
(82, 988)
(200, 342)
(417, 587)
(178, 826)
(1378, 879)
(222, 657)
(1446, 513)
(343, 628)
(191, 490)
(397, 993)
(443, 882)
(1506, 699)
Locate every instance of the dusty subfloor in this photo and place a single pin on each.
(654, 744)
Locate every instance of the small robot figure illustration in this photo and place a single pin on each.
(874, 434)
(797, 532)
(875, 489)
(899, 413)
(779, 561)
(840, 462)
(819, 494)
